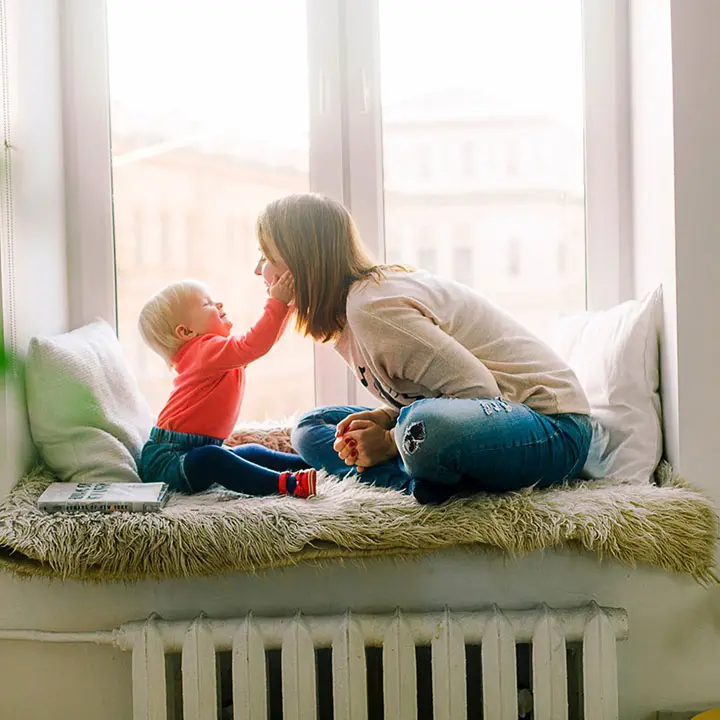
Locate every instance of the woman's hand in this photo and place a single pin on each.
(364, 442)
(379, 416)
(283, 288)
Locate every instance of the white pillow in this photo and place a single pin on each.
(88, 417)
(615, 355)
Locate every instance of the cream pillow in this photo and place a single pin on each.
(615, 355)
(88, 418)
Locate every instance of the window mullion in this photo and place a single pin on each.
(607, 153)
(363, 137)
(364, 121)
(328, 158)
(88, 173)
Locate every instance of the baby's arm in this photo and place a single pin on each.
(240, 350)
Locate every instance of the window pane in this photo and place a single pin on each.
(464, 265)
(209, 123)
(483, 143)
(427, 259)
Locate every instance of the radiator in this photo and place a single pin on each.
(447, 636)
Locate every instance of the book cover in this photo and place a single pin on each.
(103, 497)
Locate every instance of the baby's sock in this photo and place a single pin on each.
(300, 484)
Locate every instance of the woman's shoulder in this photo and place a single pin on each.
(390, 284)
(395, 291)
(406, 286)
(369, 287)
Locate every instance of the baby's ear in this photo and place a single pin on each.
(183, 332)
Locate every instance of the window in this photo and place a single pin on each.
(137, 239)
(168, 238)
(513, 257)
(210, 131)
(424, 162)
(427, 259)
(512, 160)
(511, 86)
(562, 257)
(375, 103)
(464, 265)
(468, 159)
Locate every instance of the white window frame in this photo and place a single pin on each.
(345, 124)
(608, 168)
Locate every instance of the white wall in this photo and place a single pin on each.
(656, 666)
(696, 68)
(676, 168)
(676, 165)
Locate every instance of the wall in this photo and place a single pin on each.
(696, 64)
(676, 159)
(656, 668)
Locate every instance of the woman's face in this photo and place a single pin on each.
(270, 270)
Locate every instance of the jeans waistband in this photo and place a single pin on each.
(189, 440)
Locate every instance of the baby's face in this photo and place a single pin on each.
(205, 316)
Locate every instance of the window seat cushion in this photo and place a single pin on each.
(668, 525)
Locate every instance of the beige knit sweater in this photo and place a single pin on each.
(415, 335)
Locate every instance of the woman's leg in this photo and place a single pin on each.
(313, 439)
(271, 459)
(452, 446)
(210, 464)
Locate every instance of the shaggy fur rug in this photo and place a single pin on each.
(668, 525)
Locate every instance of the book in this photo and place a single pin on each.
(103, 497)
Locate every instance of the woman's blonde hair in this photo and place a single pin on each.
(317, 239)
(161, 315)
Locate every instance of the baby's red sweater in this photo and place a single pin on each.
(208, 390)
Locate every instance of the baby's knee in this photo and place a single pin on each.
(200, 467)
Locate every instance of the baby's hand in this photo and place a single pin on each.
(283, 288)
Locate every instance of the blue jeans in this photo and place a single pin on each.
(450, 446)
(192, 463)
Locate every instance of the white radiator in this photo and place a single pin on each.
(446, 633)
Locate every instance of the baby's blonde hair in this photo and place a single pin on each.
(161, 315)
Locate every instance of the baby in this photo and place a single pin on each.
(191, 332)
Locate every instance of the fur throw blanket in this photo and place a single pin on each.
(668, 525)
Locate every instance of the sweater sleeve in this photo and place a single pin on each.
(240, 350)
(408, 345)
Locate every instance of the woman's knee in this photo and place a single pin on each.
(318, 420)
(433, 436)
(418, 435)
(423, 421)
(307, 422)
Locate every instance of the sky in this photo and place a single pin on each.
(239, 67)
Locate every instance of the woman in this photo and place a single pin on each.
(472, 401)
